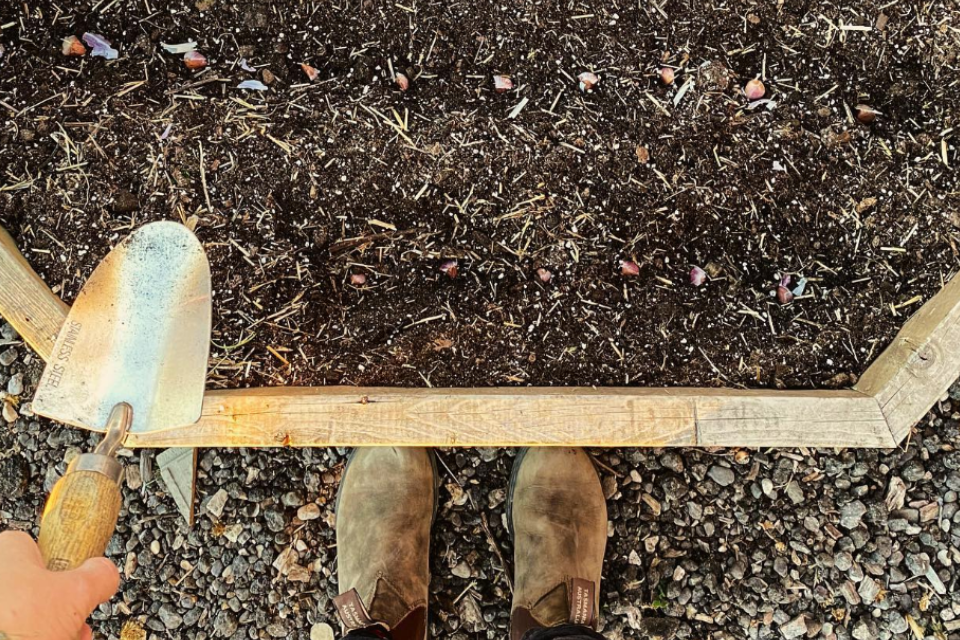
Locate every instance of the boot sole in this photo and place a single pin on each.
(436, 483)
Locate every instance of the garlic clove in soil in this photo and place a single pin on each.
(784, 295)
(697, 276)
(754, 90)
(449, 267)
(629, 268)
(358, 279)
(502, 84)
(865, 113)
(402, 81)
(73, 47)
(545, 275)
(667, 75)
(194, 60)
(588, 81)
(312, 73)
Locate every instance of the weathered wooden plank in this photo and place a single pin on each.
(792, 418)
(26, 301)
(347, 416)
(920, 364)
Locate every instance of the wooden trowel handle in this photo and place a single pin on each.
(79, 519)
(82, 510)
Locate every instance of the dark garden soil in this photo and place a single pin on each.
(296, 189)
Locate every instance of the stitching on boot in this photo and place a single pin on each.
(395, 592)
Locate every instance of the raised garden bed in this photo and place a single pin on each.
(893, 394)
(331, 208)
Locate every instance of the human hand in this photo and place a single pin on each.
(38, 604)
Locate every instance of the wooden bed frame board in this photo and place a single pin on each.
(894, 393)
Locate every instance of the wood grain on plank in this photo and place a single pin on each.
(920, 364)
(348, 416)
(792, 418)
(26, 301)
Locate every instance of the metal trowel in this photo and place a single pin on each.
(131, 357)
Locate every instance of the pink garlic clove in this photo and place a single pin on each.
(502, 84)
(754, 90)
(73, 47)
(449, 267)
(312, 73)
(697, 276)
(629, 268)
(588, 81)
(784, 295)
(194, 60)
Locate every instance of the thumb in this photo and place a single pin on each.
(93, 583)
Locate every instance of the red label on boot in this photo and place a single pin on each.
(582, 596)
(352, 612)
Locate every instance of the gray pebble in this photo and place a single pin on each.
(169, 616)
(851, 513)
(276, 521)
(913, 471)
(723, 476)
(14, 476)
(865, 630)
(292, 499)
(672, 461)
(225, 624)
(896, 623)
(216, 503)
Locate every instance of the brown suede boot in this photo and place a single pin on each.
(558, 518)
(385, 506)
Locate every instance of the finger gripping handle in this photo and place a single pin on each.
(79, 519)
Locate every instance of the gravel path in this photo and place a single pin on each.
(717, 544)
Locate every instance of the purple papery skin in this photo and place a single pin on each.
(100, 46)
(697, 276)
(785, 280)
